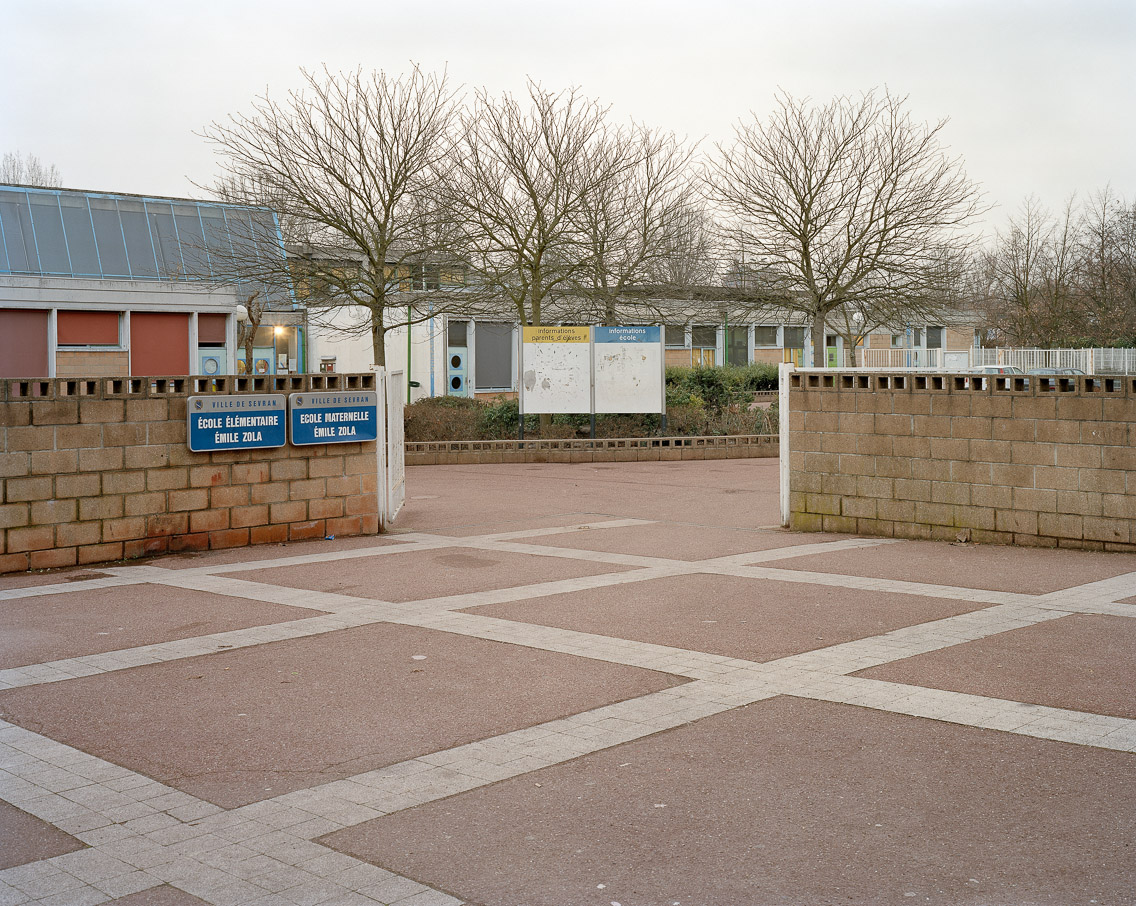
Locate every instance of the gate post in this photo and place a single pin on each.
(783, 372)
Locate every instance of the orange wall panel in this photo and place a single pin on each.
(87, 328)
(23, 343)
(159, 343)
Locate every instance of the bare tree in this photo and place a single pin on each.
(16, 169)
(632, 225)
(1027, 282)
(690, 258)
(517, 189)
(348, 162)
(846, 204)
(1107, 270)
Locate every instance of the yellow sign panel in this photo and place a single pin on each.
(555, 335)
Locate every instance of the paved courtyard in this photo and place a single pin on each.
(604, 685)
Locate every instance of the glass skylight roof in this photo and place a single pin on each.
(66, 233)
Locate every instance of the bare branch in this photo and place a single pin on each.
(349, 162)
(846, 205)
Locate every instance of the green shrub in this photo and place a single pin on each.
(443, 418)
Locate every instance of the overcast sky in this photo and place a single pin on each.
(1041, 94)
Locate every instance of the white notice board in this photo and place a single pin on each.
(629, 369)
(556, 370)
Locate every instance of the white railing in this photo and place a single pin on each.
(1090, 361)
(897, 358)
(1114, 361)
(1028, 359)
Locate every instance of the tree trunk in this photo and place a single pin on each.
(247, 337)
(609, 312)
(819, 357)
(378, 340)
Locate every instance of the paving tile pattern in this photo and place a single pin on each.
(143, 835)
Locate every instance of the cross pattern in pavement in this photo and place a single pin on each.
(140, 834)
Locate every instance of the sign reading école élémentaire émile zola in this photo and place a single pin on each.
(259, 421)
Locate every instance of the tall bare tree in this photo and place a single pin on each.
(848, 203)
(18, 169)
(349, 162)
(517, 189)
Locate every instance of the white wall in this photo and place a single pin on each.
(354, 353)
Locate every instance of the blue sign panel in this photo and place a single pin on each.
(651, 334)
(244, 422)
(333, 417)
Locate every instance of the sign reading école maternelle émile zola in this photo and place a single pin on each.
(245, 422)
(333, 417)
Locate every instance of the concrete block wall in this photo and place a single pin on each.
(98, 469)
(1008, 459)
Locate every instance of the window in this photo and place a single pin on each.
(703, 342)
(453, 275)
(493, 356)
(675, 336)
(934, 338)
(794, 337)
(80, 235)
(211, 330)
(139, 244)
(456, 334)
(704, 337)
(896, 340)
(50, 244)
(737, 346)
(917, 337)
(765, 335)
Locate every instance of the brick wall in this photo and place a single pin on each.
(75, 363)
(98, 469)
(1003, 459)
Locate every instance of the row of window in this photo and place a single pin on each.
(495, 345)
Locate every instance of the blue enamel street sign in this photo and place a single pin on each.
(333, 417)
(650, 334)
(239, 422)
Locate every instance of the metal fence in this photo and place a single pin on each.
(897, 358)
(1090, 361)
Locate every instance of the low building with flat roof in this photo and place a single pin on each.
(96, 283)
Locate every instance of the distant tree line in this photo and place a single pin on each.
(1058, 280)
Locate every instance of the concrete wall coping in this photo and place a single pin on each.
(23, 390)
(963, 382)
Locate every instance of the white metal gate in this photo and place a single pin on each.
(395, 445)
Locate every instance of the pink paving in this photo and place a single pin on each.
(610, 713)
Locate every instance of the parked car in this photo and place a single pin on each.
(1055, 371)
(997, 369)
(1048, 376)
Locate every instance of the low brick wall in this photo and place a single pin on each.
(631, 449)
(1009, 459)
(98, 469)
